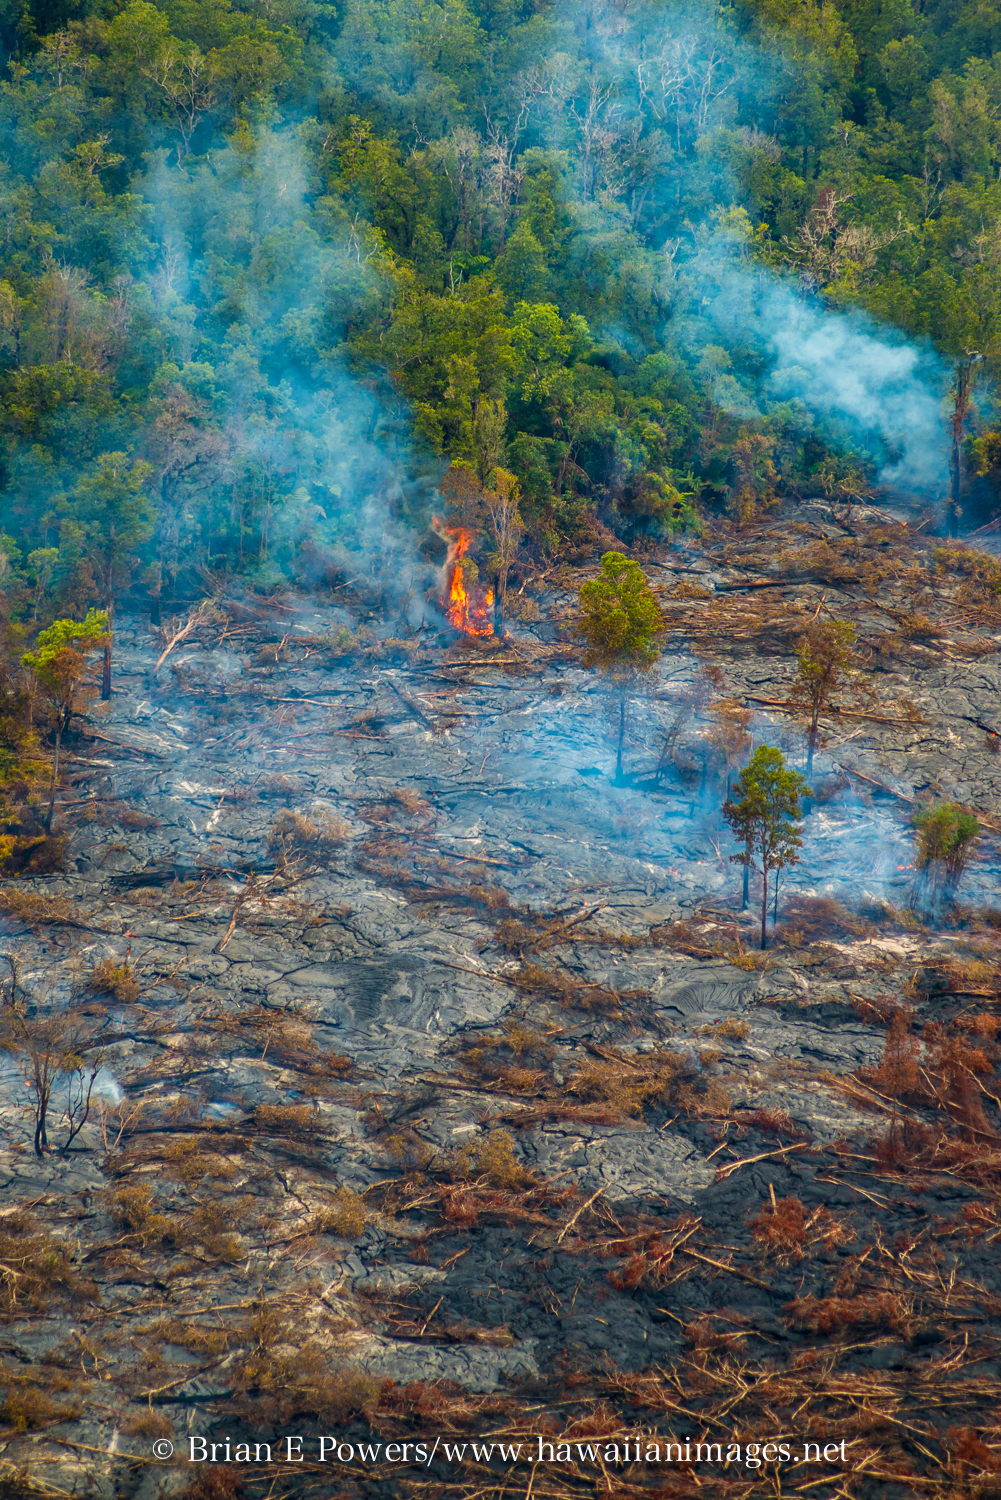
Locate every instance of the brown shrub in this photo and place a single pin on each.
(37, 911)
(877, 1310)
(774, 1122)
(26, 1406)
(967, 1448)
(781, 1226)
(136, 1208)
(898, 1074)
(293, 839)
(345, 1217)
(34, 1265)
(811, 919)
(731, 1028)
(220, 1482)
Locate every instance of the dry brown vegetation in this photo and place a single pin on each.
(109, 978)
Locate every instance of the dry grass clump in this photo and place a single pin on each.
(345, 1217)
(885, 1311)
(191, 1159)
(787, 1233)
(733, 1029)
(35, 1267)
(969, 976)
(151, 1424)
(109, 978)
(37, 911)
(517, 1060)
(773, 1122)
(410, 801)
(662, 1078)
(491, 1160)
(281, 1035)
(130, 817)
(812, 919)
(279, 1376)
(686, 589)
(293, 839)
(27, 1404)
(296, 1122)
(137, 1209)
(575, 994)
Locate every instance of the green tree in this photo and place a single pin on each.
(766, 817)
(59, 663)
(825, 663)
(947, 838)
(112, 509)
(619, 618)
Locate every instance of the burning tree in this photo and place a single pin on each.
(468, 607)
(618, 620)
(947, 837)
(766, 817)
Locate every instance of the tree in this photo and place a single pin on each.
(766, 817)
(825, 663)
(963, 382)
(59, 662)
(947, 837)
(115, 515)
(506, 528)
(52, 1053)
(729, 734)
(618, 620)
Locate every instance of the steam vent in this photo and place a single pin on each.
(500, 890)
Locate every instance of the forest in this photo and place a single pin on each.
(272, 271)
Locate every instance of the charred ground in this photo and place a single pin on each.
(443, 1090)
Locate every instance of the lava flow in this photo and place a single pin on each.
(469, 609)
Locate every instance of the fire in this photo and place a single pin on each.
(469, 610)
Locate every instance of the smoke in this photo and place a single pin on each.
(880, 391)
(286, 465)
(659, 113)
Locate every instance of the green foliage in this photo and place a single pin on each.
(825, 663)
(60, 650)
(619, 618)
(491, 213)
(766, 817)
(59, 664)
(947, 838)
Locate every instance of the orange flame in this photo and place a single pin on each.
(468, 610)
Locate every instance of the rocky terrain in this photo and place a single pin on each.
(439, 1090)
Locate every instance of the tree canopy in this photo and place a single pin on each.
(281, 264)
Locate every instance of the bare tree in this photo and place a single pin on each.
(53, 1054)
(187, 80)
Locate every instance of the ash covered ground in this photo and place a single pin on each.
(442, 1089)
